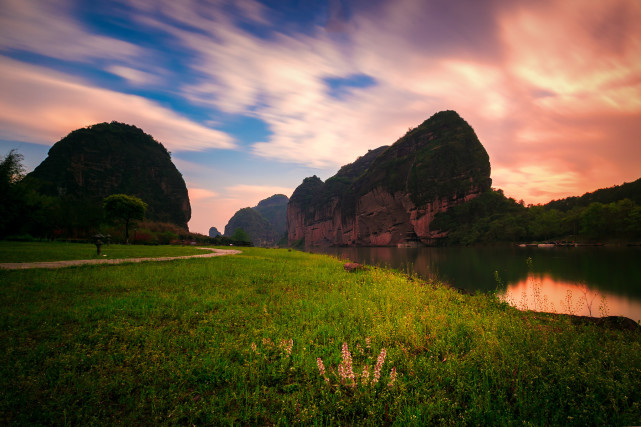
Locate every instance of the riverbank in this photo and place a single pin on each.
(273, 336)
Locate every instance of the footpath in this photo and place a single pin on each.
(70, 263)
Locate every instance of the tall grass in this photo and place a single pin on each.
(238, 340)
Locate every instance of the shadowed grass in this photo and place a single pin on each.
(59, 251)
(204, 341)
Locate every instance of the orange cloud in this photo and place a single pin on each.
(585, 55)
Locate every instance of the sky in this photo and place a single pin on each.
(251, 97)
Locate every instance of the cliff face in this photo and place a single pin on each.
(109, 158)
(265, 223)
(274, 210)
(390, 195)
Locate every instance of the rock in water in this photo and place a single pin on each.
(111, 158)
(389, 196)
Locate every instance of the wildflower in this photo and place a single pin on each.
(367, 342)
(379, 366)
(392, 377)
(321, 368)
(365, 375)
(345, 368)
(254, 348)
(286, 345)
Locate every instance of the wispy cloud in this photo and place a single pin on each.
(134, 76)
(41, 106)
(259, 191)
(49, 29)
(197, 194)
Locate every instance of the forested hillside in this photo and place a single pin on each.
(611, 214)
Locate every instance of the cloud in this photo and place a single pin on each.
(587, 56)
(260, 192)
(41, 106)
(134, 76)
(541, 183)
(47, 28)
(198, 194)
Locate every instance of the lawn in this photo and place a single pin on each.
(60, 251)
(278, 337)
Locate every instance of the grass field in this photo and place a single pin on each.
(59, 251)
(278, 337)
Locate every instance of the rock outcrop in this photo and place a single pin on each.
(265, 223)
(389, 196)
(92, 163)
(213, 232)
(274, 210)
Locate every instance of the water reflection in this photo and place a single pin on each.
(612, 272)
(545, 293)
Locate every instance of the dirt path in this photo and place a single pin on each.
(69, 263)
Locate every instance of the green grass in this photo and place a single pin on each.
(205, 342)
(58, 251)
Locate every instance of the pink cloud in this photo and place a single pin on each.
(198, 194)
(62, 104)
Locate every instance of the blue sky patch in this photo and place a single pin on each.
(339, 87)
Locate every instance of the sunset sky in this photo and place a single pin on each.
(251, 97)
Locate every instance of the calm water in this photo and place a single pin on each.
(578, 280)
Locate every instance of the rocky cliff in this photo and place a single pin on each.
(390, 195)
(213, 232)
(274, 210)
(108, 158)
(265, 223)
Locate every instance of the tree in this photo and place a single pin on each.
(240, 235)
(126, 208)
(11, 169)
(12, 203)
(594, 221)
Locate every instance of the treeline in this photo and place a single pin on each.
(492, 217)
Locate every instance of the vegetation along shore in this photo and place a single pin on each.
(274, 336)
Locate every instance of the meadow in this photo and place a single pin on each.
(62, 251)
(272, 336)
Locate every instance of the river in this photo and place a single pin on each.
(589, 281)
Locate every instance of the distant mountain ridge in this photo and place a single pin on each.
(390, 195)
(108, 158)
(265, 223)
